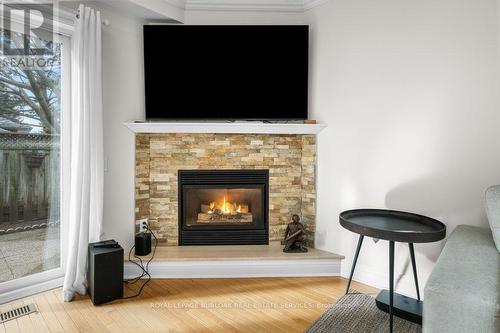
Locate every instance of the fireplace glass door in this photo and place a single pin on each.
(223, 207)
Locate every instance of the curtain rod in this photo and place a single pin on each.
(104, 22)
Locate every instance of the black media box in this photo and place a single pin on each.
(105, 271)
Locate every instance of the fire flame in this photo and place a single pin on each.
(225, 207)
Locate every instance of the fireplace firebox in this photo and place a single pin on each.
(223, 207)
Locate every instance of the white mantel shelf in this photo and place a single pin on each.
(233, 127)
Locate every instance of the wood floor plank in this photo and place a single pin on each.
(36, 318)
(280, 301)
(253, 305)
(142, 307)
(71, 309)
(256, 303)
(57, 308)
(229, 301)
(127, 308)
(178, 318)
(126, 322)
(49, 317)
(86, 309)
(175, 317)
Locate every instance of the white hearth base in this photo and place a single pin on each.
(237, 268)
(237, 261)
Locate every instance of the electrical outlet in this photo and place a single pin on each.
(143, 225)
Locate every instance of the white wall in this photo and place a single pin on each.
(409, 90)
(234, 17)
(123, 100)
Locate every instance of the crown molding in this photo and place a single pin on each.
(247, 5)
(309, 4)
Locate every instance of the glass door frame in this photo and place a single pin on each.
(53, 278)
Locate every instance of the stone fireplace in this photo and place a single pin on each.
(238, 209)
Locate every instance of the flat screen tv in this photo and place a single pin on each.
(226, 72)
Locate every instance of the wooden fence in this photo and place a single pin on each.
(29, 177)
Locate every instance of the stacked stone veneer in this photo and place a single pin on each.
(291, 160)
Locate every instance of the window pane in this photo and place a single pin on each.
(30, 112)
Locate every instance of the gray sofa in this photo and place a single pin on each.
(462, 293)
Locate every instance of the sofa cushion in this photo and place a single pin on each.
(462, 292)
(492, 203)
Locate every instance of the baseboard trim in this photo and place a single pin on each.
(381, 281)
(237, 268)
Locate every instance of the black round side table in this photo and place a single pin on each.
(393, 226)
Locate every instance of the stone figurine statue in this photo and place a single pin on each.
(295, 236)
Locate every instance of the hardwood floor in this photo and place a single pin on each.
(190, 305)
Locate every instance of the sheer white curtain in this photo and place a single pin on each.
(87, 161)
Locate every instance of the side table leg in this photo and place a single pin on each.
(414, 265)
(358, 248)
(391, 283)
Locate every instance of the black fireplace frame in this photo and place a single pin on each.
(224, 235)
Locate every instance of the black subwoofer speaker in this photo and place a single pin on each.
(143, 243)
(105, 271)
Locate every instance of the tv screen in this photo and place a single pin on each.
(226, 72)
